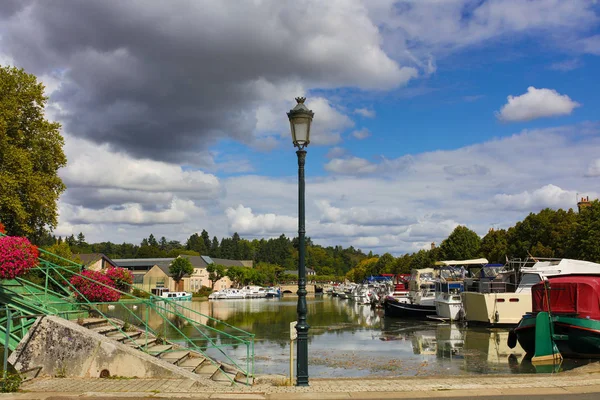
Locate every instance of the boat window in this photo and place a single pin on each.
(529, 280)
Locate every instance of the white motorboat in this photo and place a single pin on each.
(254, 292)
(164, 293)
(496, 302)
(225, 294)
(449, 286)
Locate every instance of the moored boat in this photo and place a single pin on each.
(421, 297)
(571, 305)
(164, 293)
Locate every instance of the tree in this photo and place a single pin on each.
(206, 239)
(31, 152)
(80, 239)
(152, 241)
(180, 267)
(587, 233)
(215, 272)
(494, 245)
(214, 248)
(462, 244)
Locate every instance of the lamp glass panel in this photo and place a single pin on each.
(300, 130)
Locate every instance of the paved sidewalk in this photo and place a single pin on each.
(582, 380)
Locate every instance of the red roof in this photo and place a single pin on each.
(569, 294)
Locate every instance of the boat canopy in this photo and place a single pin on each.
(476, 261)
(569, 295)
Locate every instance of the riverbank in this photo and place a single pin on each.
(579, 381)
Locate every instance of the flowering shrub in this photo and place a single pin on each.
(17, 256)
(94, 291)
(121, 277)
(2, 228)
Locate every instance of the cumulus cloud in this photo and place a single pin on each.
(365, 112)
(244, 221)
(335, 152)
(165, 81)
(351, 166)
(536, 103)
(361, 133)
(547, 196)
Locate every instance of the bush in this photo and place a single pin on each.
(204, 291)
(139, 293)
(17, 256)
(11, 383)
(89, 287)
(121, 277)
(2, 228)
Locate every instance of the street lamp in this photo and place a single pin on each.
(300, 119)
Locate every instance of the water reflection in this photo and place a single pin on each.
(351, 340)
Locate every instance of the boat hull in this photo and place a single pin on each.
(495, 308)
(448, 309)
(575, 337)
(397, 309)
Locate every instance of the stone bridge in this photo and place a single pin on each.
(287, 289)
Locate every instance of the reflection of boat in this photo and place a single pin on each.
(495, 304)
(449, 341)
(573, 324)
(164, 293)
(423, 342)
(229, 293)
(483, 347)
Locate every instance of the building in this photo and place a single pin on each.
(96, 261)
(149, 273)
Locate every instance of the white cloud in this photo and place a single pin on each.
(536, 103)
(351, 166)
(594, 168)
(361, 134)
(547, 196)
(336, 152)
(591, 45)
(365, 112)
(244, 221)
(567, 65)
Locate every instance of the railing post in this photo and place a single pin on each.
(6, 342)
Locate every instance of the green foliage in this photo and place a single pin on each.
(215, 272)
(31, 152)
(586, 236)
(204, 291)
(180, 267)
(11, 383)
(140, 293)
(462, 244)
(494, 245)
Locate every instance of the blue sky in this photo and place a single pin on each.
(428, 114)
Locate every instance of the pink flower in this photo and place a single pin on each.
(2, 228)
(94, 286)
(17, 256)
(121, 277)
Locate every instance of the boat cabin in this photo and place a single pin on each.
(158, 291)
(578, 295)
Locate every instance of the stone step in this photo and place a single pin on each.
(140, 342)
(207, 368)
(158, 349)
(92, 322)
(122, 336)
(103, 329)
(223, 377)
(192, 363)
(174, 357)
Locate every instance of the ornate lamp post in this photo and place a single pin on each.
(300, 119)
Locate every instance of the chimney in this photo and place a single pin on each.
(585, 202)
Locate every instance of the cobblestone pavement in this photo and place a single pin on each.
(481, 384)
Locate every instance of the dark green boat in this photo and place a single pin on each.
(566, 316)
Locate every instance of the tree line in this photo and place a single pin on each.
(547, 234)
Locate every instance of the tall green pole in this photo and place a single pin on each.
(302, 326)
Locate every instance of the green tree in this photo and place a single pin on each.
(215, 272)
(31, 152)
(462, 244)
(494, 245)
(587, 233)
(180, 267)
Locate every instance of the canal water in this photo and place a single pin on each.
(351, 340)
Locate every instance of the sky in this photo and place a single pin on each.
(429, 114)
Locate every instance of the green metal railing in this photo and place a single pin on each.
(154, 316)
